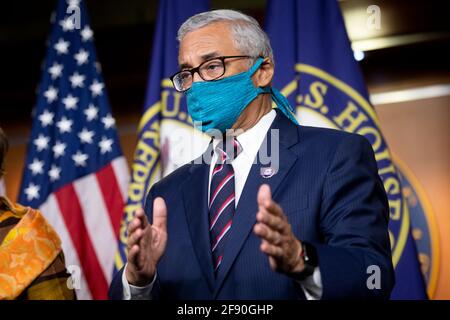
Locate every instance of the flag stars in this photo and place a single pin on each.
(41, 142)
(67, 24)
(51, 94)
(108, 121)
(55, 70)
(62, 47)
(46, 118)
(80, 159)
(91, 112)
(86, 33)
(82, 57)
(105, 145)
(77, 80)
(70, 102)
(36, 167)
(54, 173)
(64, 125)
(59, 149)
(32, 191)
(73, 3)
(96, 88)
(86, 136)
(80, 88)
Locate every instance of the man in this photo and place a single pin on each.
(31, 259)
(309, 224)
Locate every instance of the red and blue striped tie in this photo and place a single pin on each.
(222, 199)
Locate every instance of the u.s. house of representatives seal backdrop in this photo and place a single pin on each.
(409, 206)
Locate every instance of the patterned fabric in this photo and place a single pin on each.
(31, 261)
(222, 199)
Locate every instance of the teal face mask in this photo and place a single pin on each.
(218, 104)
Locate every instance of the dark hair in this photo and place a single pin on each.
(3, 149)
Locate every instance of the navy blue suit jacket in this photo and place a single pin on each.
(330, 191)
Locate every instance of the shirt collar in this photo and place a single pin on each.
(251, 139)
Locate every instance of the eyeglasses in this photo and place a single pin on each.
(208, 70)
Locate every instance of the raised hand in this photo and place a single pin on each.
(146, 244)
(278, 241)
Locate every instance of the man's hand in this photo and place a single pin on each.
(146, 244)
(278, 241)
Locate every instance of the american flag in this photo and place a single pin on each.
(75, 172)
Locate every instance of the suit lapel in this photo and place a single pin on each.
(195, 194)
(245, 216)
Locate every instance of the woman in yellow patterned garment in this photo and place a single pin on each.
(31, 259)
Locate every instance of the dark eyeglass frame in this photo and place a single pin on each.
(197, 69)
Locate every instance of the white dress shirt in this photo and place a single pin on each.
(250, 142)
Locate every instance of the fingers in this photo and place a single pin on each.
(160, 213)
(134, 238)
(265, 201)
(140, 214)
(264, 195)
(273, 208)
(271, 250)
(133, 254)
(278, 241)
(136, 228)
(133, 225)
(267, 234)
(278, 223)
(139, 221)
(270, 213)
(140, 234)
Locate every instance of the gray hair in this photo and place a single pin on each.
(248, 36)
